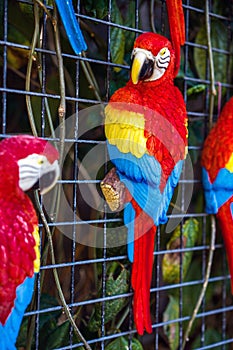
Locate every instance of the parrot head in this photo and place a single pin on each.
(153, 59)
(36, 160)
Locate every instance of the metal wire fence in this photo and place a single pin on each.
(94, 274)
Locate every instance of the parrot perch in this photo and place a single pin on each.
(25, 162)
(217, 177)
(146, 132)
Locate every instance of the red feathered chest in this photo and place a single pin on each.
(165, 117)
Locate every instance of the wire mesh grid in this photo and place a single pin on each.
(95, 280)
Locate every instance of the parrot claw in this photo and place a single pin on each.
(113, 190)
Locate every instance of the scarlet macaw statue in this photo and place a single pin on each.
(25, 161)
(217, 177)
(146, 131)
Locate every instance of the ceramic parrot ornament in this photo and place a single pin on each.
(146, 131)
(25, 162)
(217, 177)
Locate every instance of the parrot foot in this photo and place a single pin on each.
(113, 190)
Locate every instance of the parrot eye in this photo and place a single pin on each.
(163, 51)
(163, 58)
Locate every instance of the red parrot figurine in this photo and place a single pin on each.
(146, 131)
(217, 177)
(25, 161)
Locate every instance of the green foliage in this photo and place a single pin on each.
(219, 37)
(211, 336)
(122, 343)
(172, 329)
(196, 89)
(129, 22)
(117, 283)
(171, 274)
(17, 33)
(171, 261)
(58, 337)
(98, 9)
(121, 41)
(48, 321)
(117, 37)
(20, 30)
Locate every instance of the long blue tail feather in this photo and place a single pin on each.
(71, 25)
(129, 219)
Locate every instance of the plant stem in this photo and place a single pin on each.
(213, 224)
(152, 15)
(56, 277)
(40, 3)
(211, 64)
(62, 107)
(29, 69)
(206, 281)
(90, 77)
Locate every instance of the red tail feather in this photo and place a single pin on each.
(177, 28)
(144, 234)
(226, 223)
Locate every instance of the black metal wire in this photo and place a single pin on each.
(75, 264)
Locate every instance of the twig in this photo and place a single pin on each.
(40, 3)
(122, 319)
(206, 280)
(56, 277)
(90, 77)
(62, 107)
(152, 15)
(29, 69)
(45, 98)
(213, 225)
(211, 64)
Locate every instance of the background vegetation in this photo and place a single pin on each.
(178, 288)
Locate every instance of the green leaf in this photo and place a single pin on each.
(196, 138)
(122, 343)
(130, 22)
(59, 337)
(47, 320)
(172, 329)
(196, 89)
(219, 40)
(96, 8)
(117, 37)
(27, 9)
(23, 332)
(114, 286)
(211, 336)
(171, 261)
(47, 301)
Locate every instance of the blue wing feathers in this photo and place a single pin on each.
(218, 192)
(137, 169)
(142, 178)
(9, 332)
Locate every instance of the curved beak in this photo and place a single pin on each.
(49, 177)
(142, 67)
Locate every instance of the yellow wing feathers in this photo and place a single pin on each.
(125, 129)
(37, 249)
(229, 164)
